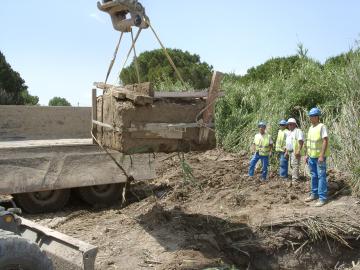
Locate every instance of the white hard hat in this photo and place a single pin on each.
(292, 120)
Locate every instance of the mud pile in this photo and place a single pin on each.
(210, 214)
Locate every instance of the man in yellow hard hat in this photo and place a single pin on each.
(294, 148)
(262, 145)
(280, 148)
(317, 153)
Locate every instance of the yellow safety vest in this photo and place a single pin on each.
(281, 140)
(314, 142)
(262, 143)
(296, 145)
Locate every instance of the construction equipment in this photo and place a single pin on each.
(47, 152)
(29, 246)
(119, 11)
(135, 118)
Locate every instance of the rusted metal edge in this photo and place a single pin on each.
(162, 95)
(163, 126)
(181, 95)
(61, 248)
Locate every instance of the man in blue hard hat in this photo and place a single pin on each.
(317, 153)
(262, 147)
(280, 148)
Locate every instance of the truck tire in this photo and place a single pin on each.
(17, 253)
(102, 194)
(44, 201)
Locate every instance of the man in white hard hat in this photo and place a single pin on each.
(294, 147)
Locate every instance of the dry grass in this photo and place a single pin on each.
(320, 229)
(323, 228)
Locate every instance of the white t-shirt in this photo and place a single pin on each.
(296, 134)
(323, 132)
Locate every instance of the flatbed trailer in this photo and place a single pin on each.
(46, 154)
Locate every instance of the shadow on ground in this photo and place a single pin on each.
(216, 239)
(221, 242)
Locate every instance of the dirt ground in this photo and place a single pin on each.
(218, 217)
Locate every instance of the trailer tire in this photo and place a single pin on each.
(45, 201)
(19, 253)
(102, 194)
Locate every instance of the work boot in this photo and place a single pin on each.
(263, 181)
(320, 203)
(311, 198)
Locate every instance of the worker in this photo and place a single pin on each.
(281, 148)
(262, 146)
(294, 148)
(317, 153)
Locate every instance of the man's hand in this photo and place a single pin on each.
(286, 154)
(297, 154)
(321, 159)
(307, 159)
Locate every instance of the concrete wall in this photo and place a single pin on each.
(44, 123)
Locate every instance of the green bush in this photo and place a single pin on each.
(346, 124)
(58, 101)
(279, 97)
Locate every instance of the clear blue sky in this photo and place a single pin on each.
(61, 47)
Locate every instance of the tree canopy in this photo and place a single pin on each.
(58, 101)
(13, 90)
(155, 67)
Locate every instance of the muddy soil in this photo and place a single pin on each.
(216, 216)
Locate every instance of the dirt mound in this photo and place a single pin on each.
(205, 212)
(221, 178)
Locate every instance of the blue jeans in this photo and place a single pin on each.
(284, 166)
(318, 179)
(264, 162)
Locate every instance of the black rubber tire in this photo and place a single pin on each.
(101, 195)
(42, 202)
(18, 253)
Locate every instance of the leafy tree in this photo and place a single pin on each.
(155, 67)
(58, 101)
(13, 90)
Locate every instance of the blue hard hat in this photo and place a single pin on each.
(283, 123)
(314, 112)
(262, 124)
